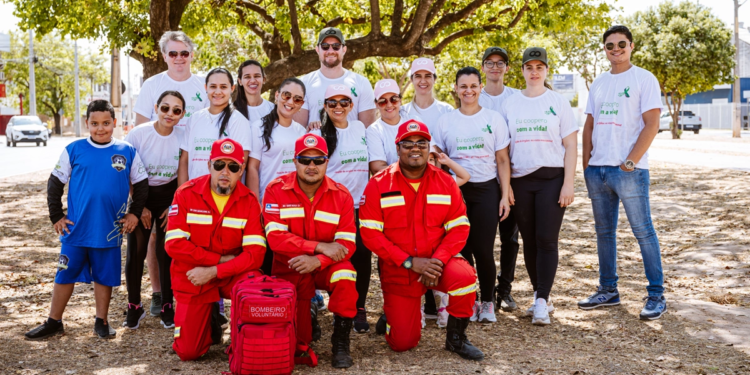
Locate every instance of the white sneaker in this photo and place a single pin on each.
(541, 315)
(442, 320)
(530, 310)
(424, 323)
(475, 315)
(487, 313)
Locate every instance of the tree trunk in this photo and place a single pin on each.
(58, 123)
(151, 66)
(677, 104)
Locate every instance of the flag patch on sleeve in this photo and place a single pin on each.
(272, 208)
(172, 210)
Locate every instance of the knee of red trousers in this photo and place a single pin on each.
(404, 322)
(459, 281)
(192, 331)
(341, 281)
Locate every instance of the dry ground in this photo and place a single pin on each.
(701, 216)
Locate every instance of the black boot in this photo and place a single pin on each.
(382, 326)
(217, 333)
(457, 342)
(315, 326)
(340, 342)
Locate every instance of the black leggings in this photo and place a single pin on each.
(508, 253)
(159, 199)
(362, 262)
(539, 219)
(482, 207)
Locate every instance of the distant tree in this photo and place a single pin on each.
(581, 52)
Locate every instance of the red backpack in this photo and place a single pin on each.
(263, 326)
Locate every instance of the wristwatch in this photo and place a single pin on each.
(407, 263)
(629, 164)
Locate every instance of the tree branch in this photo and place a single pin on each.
(418, 22)
(296, 37)
(452, 18)
(339, 20)
(257, 9)
(436, 7)
(398, 12)
(375, 14)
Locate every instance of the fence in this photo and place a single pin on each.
(717, 115)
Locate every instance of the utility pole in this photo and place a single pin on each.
(32, 85)
(77, 122)
(736, 105)
(115, 92)
(130, 93)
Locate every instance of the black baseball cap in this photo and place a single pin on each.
(535, 53)
(495, 51)
(331, 31)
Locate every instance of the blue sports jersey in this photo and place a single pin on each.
(98, 178)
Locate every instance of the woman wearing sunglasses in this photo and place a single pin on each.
(381, 135)
(347, 152)
(477, 139)
(251, 78)
(158, 144)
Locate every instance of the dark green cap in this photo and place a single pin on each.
(495, 51)
(331, 31)
(535, 53)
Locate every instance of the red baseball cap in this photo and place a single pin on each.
(310, 142)
(412, 127)
(227, 149)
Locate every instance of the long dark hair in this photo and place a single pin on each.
(328, 131)
(270, 120)
(226, 113)
(176, 94)
(240, 101)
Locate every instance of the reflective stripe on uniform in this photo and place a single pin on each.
(392, 201)
(326, 217)
(292, 213)
(270, 227)
(463, 291)
(253, 239)
(175, 234)
(177, 332)
(371, 224)
(439, 199)
(199, 219)
(233, 222)
(387, 329)
(349, 236)
(461, 220)
(343, 275)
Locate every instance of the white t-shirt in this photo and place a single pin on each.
(278, 160)
(472, 141)
(256, 113)
(160, 154)
(381, 139)
(431, 114)
(348, 163)
(203, 130)
(193, 90)
(537, 127)
(617, 102)
(495, 102)
(316, 85)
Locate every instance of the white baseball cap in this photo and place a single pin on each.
(422, 63)
(385, 86)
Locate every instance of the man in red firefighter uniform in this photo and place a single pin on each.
(414, 219)
(310, 228)
(215, 238)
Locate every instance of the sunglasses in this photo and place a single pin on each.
(422, 145)
(220, 164)
(175, 111)
(490, 64)
(331, 103)
(184, 54)
(621, 44)
(335, 46)
(306, 160)
(395, 99)
(285, 95)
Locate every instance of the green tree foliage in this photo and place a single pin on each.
(687, 48)
(54, 73)
(581, 52)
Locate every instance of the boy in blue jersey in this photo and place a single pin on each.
(99, 171)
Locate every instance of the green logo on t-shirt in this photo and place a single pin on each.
(197, 97)
(487, 129)
(625, 92)
(364, 141)
(354, 92)
(551, 111)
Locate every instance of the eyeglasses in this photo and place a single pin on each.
(331, 103)
(306, 160)
(183, 54)
(422, 145)
(489, 64)
(285, 95)
(395, 99)
(335, 46)
(621, 44)
(220, 164)
(175, 111)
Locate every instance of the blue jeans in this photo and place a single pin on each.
(607, 186)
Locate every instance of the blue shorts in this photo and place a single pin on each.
(82, 264)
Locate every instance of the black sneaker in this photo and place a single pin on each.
(360, 322)
(104, 330)
(507, 303)
(134, 315)
(50, 327)
(316, 330)
(381, 326)
(217, 333)
(167, 316)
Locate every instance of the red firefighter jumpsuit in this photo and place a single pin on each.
(197, 236)
(397, 222)
(295, 226)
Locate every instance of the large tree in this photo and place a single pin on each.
(282, 33)
(687, 48)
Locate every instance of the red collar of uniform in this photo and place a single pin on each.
(396, 169)
(291, 183)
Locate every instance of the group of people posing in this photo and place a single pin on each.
(224, 184)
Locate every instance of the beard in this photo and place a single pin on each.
(331, 65)
(223, 190)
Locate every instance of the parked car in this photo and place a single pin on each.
(29, 129)
(687, 121)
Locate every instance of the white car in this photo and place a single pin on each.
(687, 121)
(29, 129)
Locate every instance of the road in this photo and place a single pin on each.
(26, 157)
